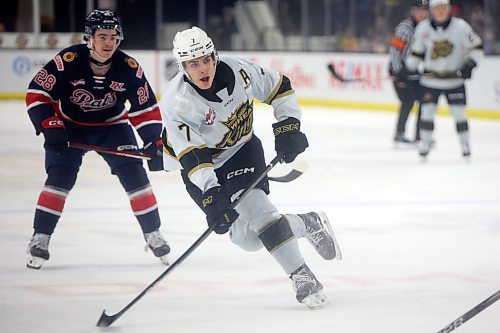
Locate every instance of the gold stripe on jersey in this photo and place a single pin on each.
(190, 149)
(286, 93)
(275, 90)
(196, 158)
(282, 89)
(167, 146)
(200, 166)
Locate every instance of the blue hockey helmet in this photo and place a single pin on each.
(101, 19)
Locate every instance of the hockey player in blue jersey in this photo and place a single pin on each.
(79, 96)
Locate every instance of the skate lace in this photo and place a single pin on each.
(155, 239)
(302, 278)
(315, 236)
(40, 241)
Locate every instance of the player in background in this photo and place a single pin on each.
(79, 96)
(207, 111)
(406, 82)
(449, 49)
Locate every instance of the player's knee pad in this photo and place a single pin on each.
(132, 176)
(275, 234)
(428, 111)
(426, 125)
(243, 237)
(462, 126)
(458, 112)
(256, 209)
(60, 176)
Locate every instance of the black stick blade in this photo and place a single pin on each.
(106, 320)
(332, 70)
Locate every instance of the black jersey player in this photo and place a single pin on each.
(80, 96)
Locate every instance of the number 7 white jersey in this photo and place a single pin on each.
(220, 118)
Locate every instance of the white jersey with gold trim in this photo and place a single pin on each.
(221, 118)
(443, 51)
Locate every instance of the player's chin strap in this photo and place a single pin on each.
(95, 57)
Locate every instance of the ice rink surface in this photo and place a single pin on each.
(421, 241)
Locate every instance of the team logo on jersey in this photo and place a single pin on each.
(77, 82)
(239, 124)
(69, 56)
(210, 117)
(88, 102)
(117, 86)
(441, 49)
(132, 63)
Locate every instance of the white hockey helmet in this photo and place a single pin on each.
(433, 3)
(190, 44)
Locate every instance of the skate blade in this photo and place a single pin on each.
(316, 301)
(164, 260)
(324, 218)
(35, 263)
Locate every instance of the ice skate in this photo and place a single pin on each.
(400, 138)
(466, 150)
(308, 289)
(157, 243)
(38, 250)
(424, 148)
(320, 234)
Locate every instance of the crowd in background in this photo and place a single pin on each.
(353, 25)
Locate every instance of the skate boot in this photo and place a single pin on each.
(465, 150)
(38, 250)
(400, 138)
(319, 233)
(308, 290)
(424, 148)
(157, 243)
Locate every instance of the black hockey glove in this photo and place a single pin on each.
(217, 206)
(154, 149)
(288, 139)
(467, 69)
(406, 75)
(56, 138)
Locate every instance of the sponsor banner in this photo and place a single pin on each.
(308, 72)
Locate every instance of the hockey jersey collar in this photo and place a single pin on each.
(444, 25)
(224, 78)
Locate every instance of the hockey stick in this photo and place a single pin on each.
(106, 320)
(110, 151)
(342, 79)
(447, 75)
(297, 171)
(471, 313)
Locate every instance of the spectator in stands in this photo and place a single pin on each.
(51, 41)
(21, 41)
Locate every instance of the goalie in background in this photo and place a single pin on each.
(449, 49)
(79, 96)
(207, 110)
(406, 82)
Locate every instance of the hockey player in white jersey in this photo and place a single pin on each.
(207, 111)
(449, 49)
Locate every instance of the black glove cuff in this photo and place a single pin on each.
(289, 125)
